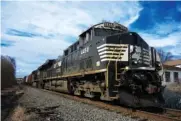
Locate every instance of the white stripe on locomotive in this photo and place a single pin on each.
(111, 56)
(114, 45)
(110, 52)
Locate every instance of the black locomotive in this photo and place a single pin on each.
(108, 62)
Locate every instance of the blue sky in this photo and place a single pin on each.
(32, 32)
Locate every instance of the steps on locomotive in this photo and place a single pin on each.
(116, 84)
(115, 89)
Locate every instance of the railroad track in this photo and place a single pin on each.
(167, 115)
(176, 114)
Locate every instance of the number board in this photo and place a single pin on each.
(115, 25)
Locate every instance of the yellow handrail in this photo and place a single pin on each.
(108, 69)
(116, 75)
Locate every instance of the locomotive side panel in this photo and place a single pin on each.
(85, 60)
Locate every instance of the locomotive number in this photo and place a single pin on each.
(85, 50)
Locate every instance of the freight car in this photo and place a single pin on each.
(108, 62)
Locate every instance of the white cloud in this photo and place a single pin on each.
(157, 41)
(58, 19)
(163, 35)
(31, 52)
(166, 27)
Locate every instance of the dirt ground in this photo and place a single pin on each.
(19, 113)
(9, 97)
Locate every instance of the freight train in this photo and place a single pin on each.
(107, 62)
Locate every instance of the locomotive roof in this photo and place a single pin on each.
(102, 25)
(48, 63)
(33, 72)
(105, 25)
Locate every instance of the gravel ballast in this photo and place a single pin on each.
(44, 106)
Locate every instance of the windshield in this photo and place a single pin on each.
(105, 32)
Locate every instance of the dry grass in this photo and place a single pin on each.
(19, 114)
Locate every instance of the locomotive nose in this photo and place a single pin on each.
(140, 78)
(130, 38)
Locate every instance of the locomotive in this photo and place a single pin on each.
(108, 62)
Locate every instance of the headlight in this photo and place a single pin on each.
(131, 48)
(158, 65)
(135, 62)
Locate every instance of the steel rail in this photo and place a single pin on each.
(173, 113)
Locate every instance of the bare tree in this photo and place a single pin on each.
(8, 69)
(165, 56)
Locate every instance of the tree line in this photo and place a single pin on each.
(165, 56)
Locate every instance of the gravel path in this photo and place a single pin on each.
(61, 109)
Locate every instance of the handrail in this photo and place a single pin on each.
(116, 73)
(107, 68)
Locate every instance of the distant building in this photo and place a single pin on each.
(19, 80)
(172, 72)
